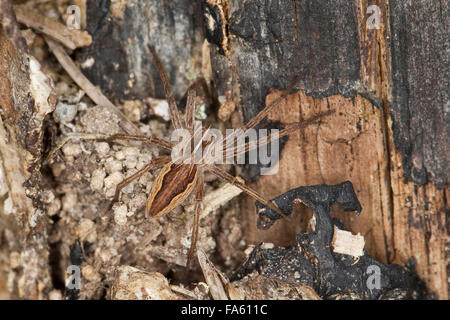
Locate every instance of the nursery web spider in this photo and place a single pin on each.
(178, 179)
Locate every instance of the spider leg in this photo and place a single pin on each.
(266, 110)
(235, 181)
(173, 109)
(151, 165)
(190, 109)
(149, 139)
(261, 115)
(288, 130)
(96, 136)
(198, 205)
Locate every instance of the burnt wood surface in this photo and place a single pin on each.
(311, 261)
(123, 65)
(420, 96)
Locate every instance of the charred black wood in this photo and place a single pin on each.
(311, 261)
(420, 107)
(119, 62)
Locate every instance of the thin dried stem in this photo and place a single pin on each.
(190, 109)
(92, 91)
(70, 38)
(212, 277)
(173, 109)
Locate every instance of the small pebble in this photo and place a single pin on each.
(131, 162)
(58, 168)
(267, 245)
(102, 148)
(120, 215)
(54, 207)
(113, 180)
(55, 295)
(65, 113)
(8, 206)
(131, 152)
(113, 165)
(61, 88)
(107, 255)
(129, 188)
(98, 175)
(86, 230)
(137, 202)
(47, 196)
(143, 160)
(72, 149)
(90, 274)
(14, 260)
(120, 155)
(69, 200)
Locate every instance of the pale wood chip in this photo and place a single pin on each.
(71, 38)
(212, 276)
(345, 242)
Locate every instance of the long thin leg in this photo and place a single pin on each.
(289, 129)
(262, 114)
(95, 136)
(190, 110)
(197, 208)
(149, 139)
(151, 165)
(173, 109)
(235, 181)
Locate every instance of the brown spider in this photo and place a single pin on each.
(180, 177)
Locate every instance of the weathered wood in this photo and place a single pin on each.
(122, 64)
(25, 101)
(389, 125)
(419, 106)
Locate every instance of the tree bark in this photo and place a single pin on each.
(25, 100)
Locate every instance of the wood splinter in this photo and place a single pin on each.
(345, 242)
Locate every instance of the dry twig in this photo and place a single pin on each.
(71, 38)
(212, 276)
(92, 91)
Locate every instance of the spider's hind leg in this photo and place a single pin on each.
(198, 206)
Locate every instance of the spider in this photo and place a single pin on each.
(181, 176)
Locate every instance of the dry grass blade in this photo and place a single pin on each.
(212, 277)
(92, 91)
(70, 38)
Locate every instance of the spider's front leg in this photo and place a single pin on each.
(290, 128)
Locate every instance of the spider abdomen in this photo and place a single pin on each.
(173, 184)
